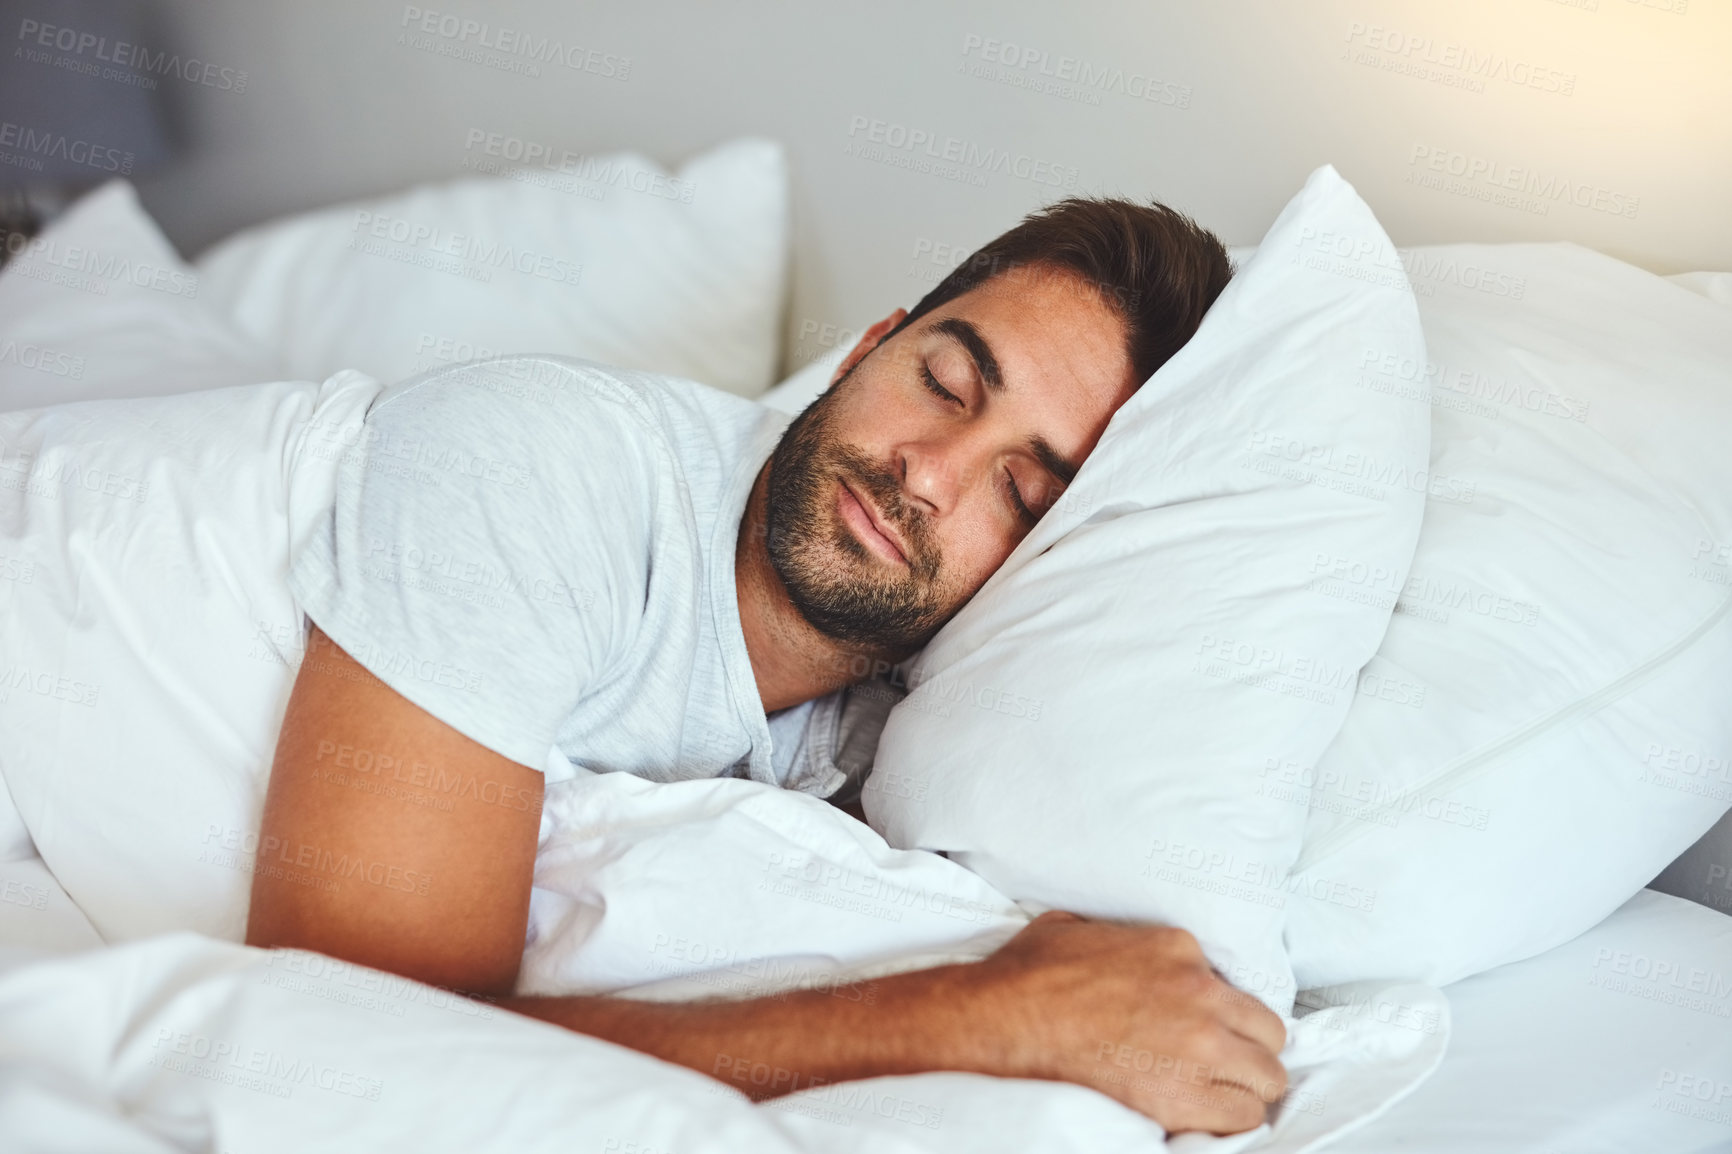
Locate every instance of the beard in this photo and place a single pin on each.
(843, 590)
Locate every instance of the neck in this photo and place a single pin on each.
(791, 661)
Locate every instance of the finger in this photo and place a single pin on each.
(1252, 1068)
(1059, 916)
(1246, 1015)
(1212, 1107)
(1055, 917)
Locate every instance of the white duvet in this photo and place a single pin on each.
(183, 1042)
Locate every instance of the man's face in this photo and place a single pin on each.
(896, 494)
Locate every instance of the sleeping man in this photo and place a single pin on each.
(718, 576)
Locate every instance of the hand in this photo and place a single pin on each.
(1135, 1012)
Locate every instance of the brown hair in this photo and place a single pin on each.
(1154, 266)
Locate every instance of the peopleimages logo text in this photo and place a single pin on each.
(874, 136)
(1073, 76)
(136, 57)
(512, 44)
(1519, 186)
(36, 146)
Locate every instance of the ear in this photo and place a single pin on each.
(867, 342)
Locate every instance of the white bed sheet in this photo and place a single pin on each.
(1618, 1042)
(37, 913)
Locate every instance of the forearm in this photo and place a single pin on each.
(904, 1024)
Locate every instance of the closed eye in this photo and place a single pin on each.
(936, 389)
(1022, 509)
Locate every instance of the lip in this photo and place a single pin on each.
(868, 526)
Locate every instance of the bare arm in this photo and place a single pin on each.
(389, 838)
(1132, 1011)
(392, 840)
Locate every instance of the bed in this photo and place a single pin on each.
(131, 1020)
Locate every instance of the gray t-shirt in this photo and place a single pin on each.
(539, 551)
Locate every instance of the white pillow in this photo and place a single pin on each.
(1091, 731)
(1716, 286)
(99, 305)
(611, 259)
(804, 386)
(1571, 627)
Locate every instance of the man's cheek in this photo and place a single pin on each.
(969, 563)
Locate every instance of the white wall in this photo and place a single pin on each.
(1626, 103)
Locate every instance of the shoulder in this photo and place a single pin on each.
(524, 417)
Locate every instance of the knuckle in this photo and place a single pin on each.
(1198, 1040)
(1243, 1113)
(1221, 1112)
(1275, 1078)
(1179, 940)
(1196, 984)
(1279, 1027)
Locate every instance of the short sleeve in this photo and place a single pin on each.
(490, 536)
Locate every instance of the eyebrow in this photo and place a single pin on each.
(965, 334)
(1058, 466)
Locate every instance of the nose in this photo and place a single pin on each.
(938, 470)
